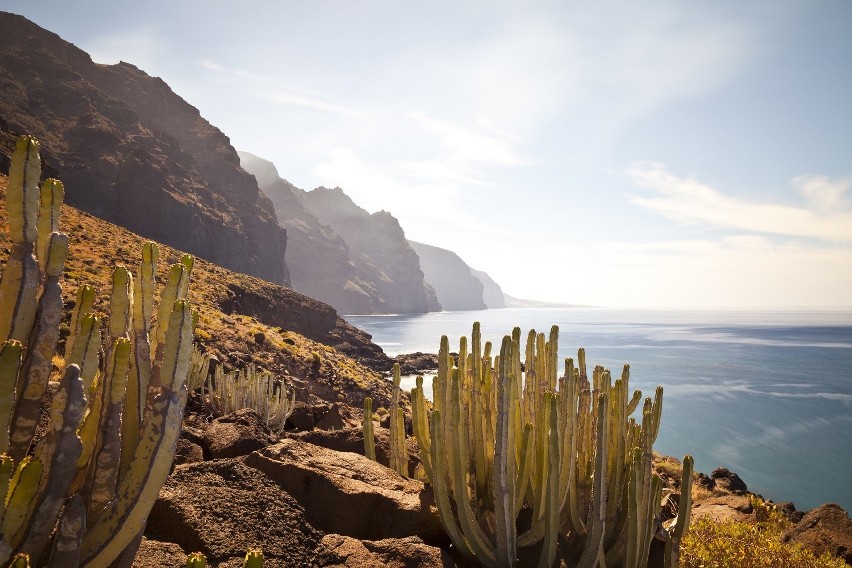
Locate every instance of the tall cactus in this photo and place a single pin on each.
(108, 448)
(503, 437)
(398, 459)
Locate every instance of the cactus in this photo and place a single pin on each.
(196, 560)
(502, 439)
(398, 459)
(369, 437)
(101, 476)
(680, 524)
(225, 393)
(253, 559)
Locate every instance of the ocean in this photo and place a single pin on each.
(765, 393)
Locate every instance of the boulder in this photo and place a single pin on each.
(352, 440)
(338, 417)
(724, 507)
(237, 434)
(188, 452)
(728, 480)
(304, 416)
(348, 494)
(222, 508)
(338, 551)
(824, 529)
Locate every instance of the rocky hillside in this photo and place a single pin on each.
(242, 319)
(131, 151)
(492, 294)
(455, 284)
(319, 259)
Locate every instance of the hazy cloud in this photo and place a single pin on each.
(271, 89)
(690, 201)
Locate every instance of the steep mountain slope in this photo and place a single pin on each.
(492, 294)
(378, 247)
(318, 258)
(455, 284)
(133, 152)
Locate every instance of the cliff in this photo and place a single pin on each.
(455, 284)
(131, 151)
(318, 258)
(379, 249)
(383, 273)
(492, 294)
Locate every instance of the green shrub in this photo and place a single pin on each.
(710, 544)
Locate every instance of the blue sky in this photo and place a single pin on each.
(664, 154)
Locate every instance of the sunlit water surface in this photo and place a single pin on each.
(767, 394)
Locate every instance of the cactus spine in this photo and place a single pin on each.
(502, 439)
(88, 465)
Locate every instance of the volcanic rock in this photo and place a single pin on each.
(827, 528)
(348, 494)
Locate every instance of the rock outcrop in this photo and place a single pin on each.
(131, 151)
(827, 528)
(492, 294)
(455, 284)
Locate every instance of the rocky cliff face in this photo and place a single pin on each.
(378, 247)
(455, 284)
(317, 257)
(340, 254)
(492, 294)
(131, 151)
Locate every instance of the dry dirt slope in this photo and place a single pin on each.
(242, 318)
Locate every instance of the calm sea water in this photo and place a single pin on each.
(767, 394)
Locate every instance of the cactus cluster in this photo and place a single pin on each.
(505, 436)
(78, 492)
(225, 393)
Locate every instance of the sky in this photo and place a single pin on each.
(621, 154)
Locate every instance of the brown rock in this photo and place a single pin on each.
(222, 508)
(153, 554)
(303, 418)
(237, 434)
(724, 507)
(338, 551)
(352, 440)
(727, 480)
(338, 417)
(348, 494)
(188, 452)
(824, 529)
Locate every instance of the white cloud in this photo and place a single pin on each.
(823, 193)
(689, 201)
(481, 146)
(269, 88)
